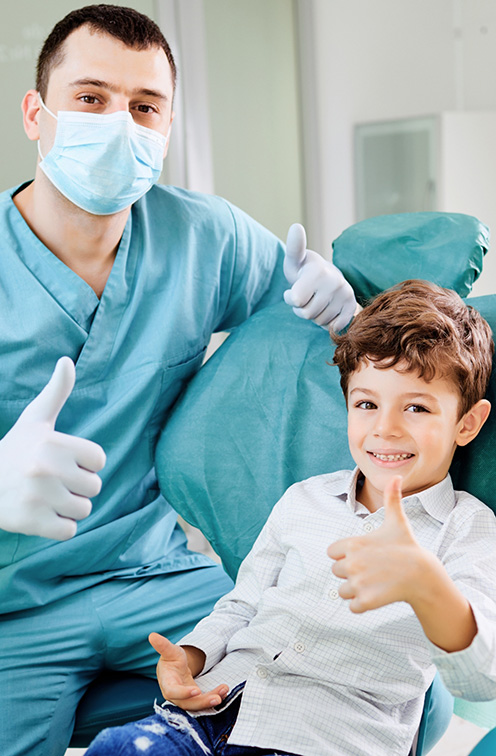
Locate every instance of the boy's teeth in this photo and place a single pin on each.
(392, 457)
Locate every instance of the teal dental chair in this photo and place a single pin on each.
(267, 410)
(487, 746)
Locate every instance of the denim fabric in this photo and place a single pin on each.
(172, 732)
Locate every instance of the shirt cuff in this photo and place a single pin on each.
(213, 649)
(471, 672)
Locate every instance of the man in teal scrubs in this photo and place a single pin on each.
(128, 280)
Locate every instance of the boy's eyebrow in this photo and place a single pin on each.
(111, 88)
(420, 395)
(408, 395)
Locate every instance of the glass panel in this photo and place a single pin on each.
(395, 167)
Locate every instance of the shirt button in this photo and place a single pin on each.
(368, 527)
(262, 672)
(299, 647)
(333, 594)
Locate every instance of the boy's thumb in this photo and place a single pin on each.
(392, 499)
(164, 647)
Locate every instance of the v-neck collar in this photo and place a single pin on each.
(71, 291)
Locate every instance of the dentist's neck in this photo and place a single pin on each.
(84, 242)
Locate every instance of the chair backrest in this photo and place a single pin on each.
(267, 409)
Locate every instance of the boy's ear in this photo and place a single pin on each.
(472, 422)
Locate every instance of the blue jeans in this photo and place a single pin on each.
(173, 732)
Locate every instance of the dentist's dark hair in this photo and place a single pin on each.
(132, 28)
(419, 327)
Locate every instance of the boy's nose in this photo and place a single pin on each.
(387, 424)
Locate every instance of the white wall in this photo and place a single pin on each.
(254, 108)
(383, 59)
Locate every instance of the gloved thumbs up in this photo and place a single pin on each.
(49, 402)
(296, 251)
(47, 478)
(319, 291)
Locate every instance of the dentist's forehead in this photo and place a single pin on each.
(99, 57)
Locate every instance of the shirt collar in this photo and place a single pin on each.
(438, 501)
(344, 485)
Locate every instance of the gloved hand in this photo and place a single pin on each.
(319, 291)
(46, 477)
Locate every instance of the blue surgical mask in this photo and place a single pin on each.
(102, 162)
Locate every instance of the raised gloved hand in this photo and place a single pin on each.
(319, 291)
(46, 477)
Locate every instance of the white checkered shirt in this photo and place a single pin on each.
(320, 680)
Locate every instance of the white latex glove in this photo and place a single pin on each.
(46, 477)
(319, 291)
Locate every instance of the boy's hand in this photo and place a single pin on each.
(381, 567)
(176, 681)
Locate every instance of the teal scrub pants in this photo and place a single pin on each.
(49, 655)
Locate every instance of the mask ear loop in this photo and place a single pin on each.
(45, 107)
(49, 113)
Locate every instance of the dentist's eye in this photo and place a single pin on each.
(145, 109)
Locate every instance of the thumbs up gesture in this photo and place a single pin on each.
(47, 478)
(319, 291)
(381, 567)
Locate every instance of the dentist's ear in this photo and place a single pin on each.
(472, 422)
(30, 114)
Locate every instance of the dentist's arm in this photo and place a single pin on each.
(47, 478)
(319, 291)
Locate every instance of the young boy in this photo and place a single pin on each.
(282, 663)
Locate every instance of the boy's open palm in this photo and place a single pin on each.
(177, 681)
(381, 567)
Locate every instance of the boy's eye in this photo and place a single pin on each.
(416, 408)
(366, 405)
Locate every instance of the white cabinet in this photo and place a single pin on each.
(445, 162)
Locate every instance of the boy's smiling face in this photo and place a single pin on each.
(398, 423)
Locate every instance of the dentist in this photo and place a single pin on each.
(126, 280)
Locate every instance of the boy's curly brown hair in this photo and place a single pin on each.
(420, 327)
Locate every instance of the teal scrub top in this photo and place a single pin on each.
(187, 265)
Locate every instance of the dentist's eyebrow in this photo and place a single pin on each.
(112, 88)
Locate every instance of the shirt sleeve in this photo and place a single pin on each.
(257, 279)
(470, 562)
(259, 571)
